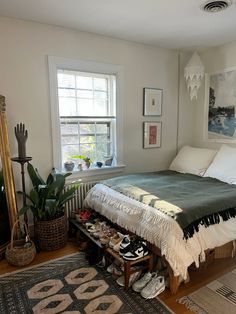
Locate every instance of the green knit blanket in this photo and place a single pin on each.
(190, 200)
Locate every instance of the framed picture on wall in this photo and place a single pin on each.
(220, 106)
(152, 101)
(151, 134)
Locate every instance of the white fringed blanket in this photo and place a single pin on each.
(159, 229)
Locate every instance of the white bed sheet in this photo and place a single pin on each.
(160, 229)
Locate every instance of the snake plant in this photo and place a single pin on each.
(47, 198)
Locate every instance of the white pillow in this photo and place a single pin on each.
(193, 160)
(223, 166)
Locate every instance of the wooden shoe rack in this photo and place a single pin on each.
(129, 267)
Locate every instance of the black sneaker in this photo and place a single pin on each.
(138, 250)
(126, 244)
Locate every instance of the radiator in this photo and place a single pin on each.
(80, 194)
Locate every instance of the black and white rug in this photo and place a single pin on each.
(70, 285)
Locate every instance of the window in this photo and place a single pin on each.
(87, 114)
(86, 110)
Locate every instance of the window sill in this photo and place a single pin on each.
(94, 174)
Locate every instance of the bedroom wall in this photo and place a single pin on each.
(186, 117)
(24, 82)
(215, 59)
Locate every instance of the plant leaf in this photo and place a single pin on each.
(34, 176)
(50, 179)
(23, 210)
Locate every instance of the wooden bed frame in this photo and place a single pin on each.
(175, 281)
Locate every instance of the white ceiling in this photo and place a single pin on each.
(178, 24)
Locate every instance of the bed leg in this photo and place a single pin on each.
(174, 281)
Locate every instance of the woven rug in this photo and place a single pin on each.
(70, 285)
(218, 297)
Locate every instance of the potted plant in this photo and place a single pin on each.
(48, 199)
(69, 165)
(86, 159)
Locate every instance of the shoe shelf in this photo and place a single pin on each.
(147, 262)
(74, 223)
(128, 265)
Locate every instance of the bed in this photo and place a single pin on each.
(182, 215)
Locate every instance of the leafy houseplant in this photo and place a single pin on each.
(48, 199)
(86, 159)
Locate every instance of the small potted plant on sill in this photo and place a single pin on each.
(86, 160)
(69, 165)
(48, 199)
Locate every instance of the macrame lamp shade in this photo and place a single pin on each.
(193, 73)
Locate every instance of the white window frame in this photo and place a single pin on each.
(55, 63)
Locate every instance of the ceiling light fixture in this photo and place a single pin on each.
(193, 73)
(216, 6)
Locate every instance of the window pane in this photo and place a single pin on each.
(84, 82)
(67, 106)
(100, 95)
(62, 92)
(88, 150)
(84, 94)
(69, 128)
(102, 152)
(100, 107)
(85, 107)
(68, 151)
(87, 139)
(102, 139)
(100, 83)
(70, 140)
(102, 128)
(87, 128)
(66, 80)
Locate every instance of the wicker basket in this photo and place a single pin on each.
(16, 254)
(51, 234)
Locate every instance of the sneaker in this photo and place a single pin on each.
(116, 247)
(123, 244)
(136, 251)
(126, 244)
(154, 287)
(112, 269)
(117, 238)
(102, 262)
(142, 282)
(133, 277)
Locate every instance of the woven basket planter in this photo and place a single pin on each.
(51, 234)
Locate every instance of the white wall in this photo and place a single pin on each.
(215, 59)
(186, 115)
(24, 82)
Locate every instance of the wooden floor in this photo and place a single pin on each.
(198, 278)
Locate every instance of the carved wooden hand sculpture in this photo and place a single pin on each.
(21, 136)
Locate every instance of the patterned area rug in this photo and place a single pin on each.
(218, 297)
(70, 285)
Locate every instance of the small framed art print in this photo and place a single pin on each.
(151, 134)
(152, 101)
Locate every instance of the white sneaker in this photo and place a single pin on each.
(112, 269)
(133, 277)
(155, 286)
(142, 282)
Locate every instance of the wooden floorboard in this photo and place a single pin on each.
(198, 278)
